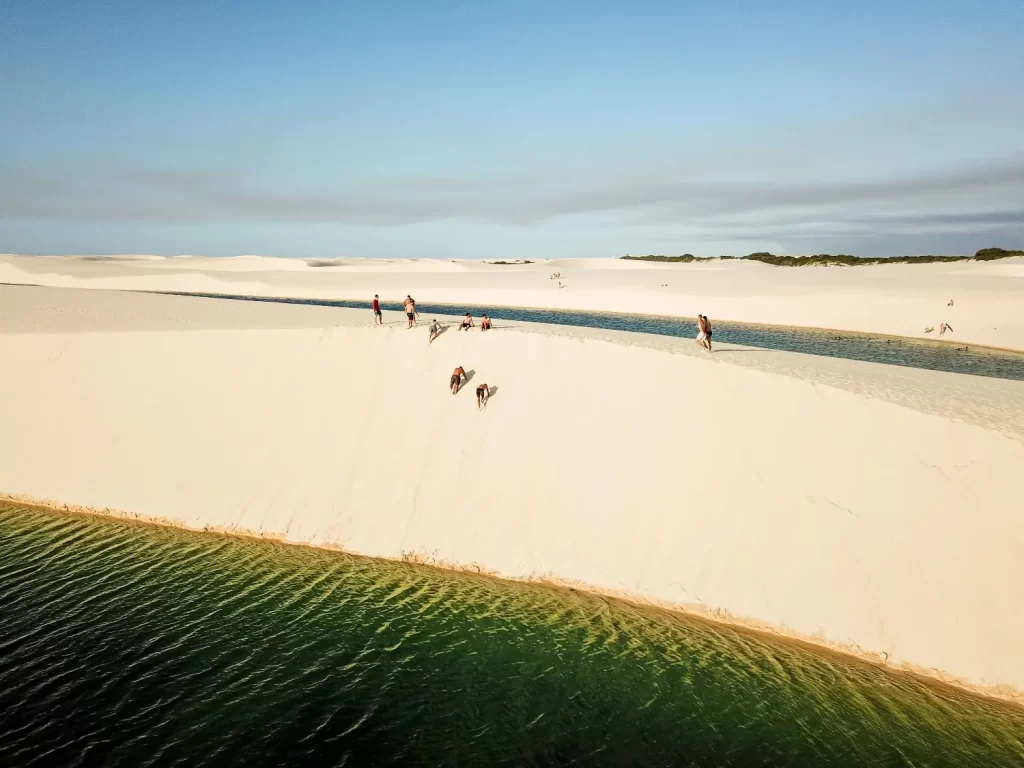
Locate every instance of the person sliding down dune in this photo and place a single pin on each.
(457, 379)
(482, 393)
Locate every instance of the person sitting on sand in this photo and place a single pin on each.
(458, 377)
(482, 393)
(485, 323)
(410, 310)
(378, 318)
(435, 330)
(467, 322)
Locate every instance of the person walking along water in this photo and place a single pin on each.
(410, 310)
(378, 318)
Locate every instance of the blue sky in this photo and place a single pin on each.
(528, 129)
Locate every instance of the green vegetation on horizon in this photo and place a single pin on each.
(828, 260)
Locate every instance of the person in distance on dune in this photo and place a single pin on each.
(707, 333)
(378, 318)
(458, 376)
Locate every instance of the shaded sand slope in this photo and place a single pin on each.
(641, 471)
(902, 299)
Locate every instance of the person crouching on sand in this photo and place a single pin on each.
(378, 318)
(485, 323)
(435, 330)
(467, 322)
(457, 379)
(482, 393)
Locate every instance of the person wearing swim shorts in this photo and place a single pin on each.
(378, 318)
(702, 335)
(482, 393)
(707, 333)
(485, 323)
(435, 330)
(455, 383)
(467, 322)
(410, 310)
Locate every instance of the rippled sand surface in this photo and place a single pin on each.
(123, 644)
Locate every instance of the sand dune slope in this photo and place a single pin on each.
(633, 470)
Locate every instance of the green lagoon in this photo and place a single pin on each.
(126, 644)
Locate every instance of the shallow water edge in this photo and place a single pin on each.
(690, 612)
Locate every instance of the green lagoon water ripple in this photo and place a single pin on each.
(123, 644)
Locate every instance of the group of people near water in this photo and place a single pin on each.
(459, 377)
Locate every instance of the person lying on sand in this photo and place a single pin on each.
(485, 323)
(467, 322)
(457, 379)
(482, 393)
(378, 318)
(410, 310)
(435, 330)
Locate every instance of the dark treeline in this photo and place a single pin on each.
(839, 260)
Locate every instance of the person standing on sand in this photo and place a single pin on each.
(707, 333)
(378, 318)
(482, 393)
(435, 330)
(410, 310)
(455, 383)
(701, 333)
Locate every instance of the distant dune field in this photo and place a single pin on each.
(899, 299)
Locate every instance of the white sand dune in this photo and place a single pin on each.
(867, 507)
(900, 299)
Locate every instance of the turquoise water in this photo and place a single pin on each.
(123, 644)
(873, 348)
